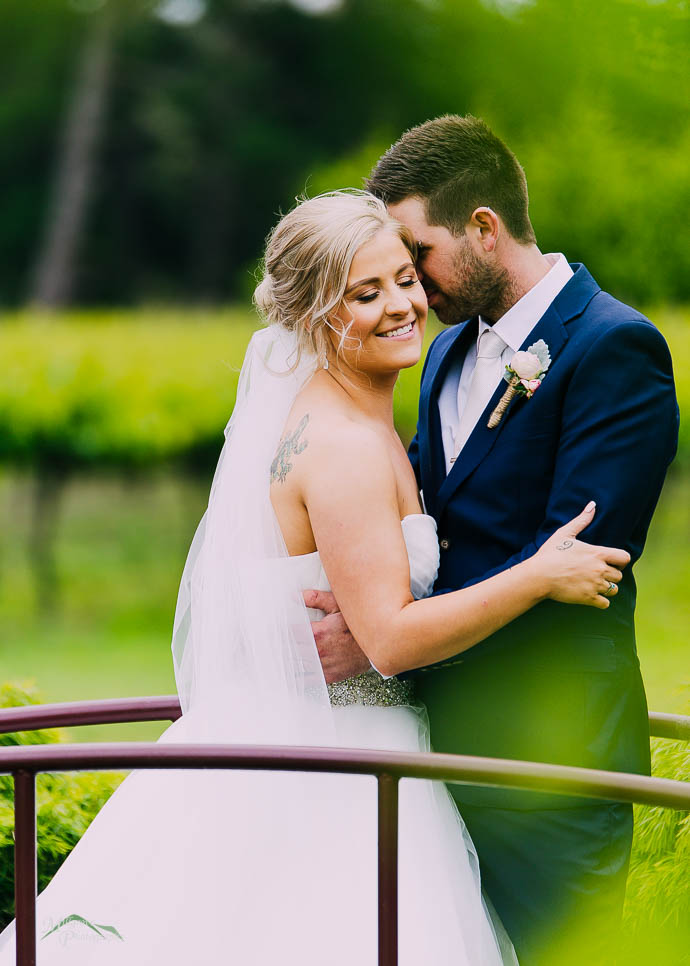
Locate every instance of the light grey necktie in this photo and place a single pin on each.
(487, 374)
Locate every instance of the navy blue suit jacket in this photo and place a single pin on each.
(561, 683)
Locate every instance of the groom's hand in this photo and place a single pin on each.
(341, 657)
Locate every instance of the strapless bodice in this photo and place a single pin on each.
(419, 532)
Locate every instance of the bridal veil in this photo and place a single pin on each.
(246, 664)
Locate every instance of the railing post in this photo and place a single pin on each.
(388, 870)
(25, 866)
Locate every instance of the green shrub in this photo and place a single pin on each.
(138, 389)
(66, 805)
(607, 206)
(126, 390)
(91, 390)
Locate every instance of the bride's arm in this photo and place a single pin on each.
(349, 491)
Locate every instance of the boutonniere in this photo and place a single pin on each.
(524, 376)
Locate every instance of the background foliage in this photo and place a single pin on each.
(153, 142)
(210, 127)
(111, 389)
(149, 388)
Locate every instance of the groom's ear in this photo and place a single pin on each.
(485, 227)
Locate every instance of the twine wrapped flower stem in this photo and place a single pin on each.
(524, 376)
(505, 401)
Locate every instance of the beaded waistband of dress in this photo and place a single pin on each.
(372, 690)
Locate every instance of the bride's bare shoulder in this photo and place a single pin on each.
(323, 437)
(326, 462)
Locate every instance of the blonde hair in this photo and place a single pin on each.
(307, 263)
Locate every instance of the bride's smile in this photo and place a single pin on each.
(384, 311)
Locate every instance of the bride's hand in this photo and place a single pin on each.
(577, 572)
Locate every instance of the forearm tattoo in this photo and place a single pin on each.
(565, 545)
(290, 445)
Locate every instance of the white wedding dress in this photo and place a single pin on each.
(250, 868)
(207, 868)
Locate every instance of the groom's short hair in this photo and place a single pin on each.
(455, 164)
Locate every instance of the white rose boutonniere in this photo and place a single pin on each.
(524, 376)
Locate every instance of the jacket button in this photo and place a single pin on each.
(444, 544)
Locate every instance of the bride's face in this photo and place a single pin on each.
(387, 308)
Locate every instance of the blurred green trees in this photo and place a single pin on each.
(211, 127)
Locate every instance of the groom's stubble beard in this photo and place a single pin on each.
(482, 287)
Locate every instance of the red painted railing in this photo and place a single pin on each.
(24, 762)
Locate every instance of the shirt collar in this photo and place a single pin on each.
(520, 319)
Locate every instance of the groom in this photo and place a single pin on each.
(562, 683)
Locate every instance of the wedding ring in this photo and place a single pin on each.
(612, 589)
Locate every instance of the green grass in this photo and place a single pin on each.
(663, 610)
(120, 552)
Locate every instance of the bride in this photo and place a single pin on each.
(313, 490)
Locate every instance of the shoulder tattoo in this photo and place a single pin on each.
(290, 445)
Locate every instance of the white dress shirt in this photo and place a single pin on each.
(513, 327)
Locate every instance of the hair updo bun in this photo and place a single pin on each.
(307, 262)
(264, 298)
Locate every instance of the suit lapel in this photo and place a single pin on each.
(551, 329)
(431, 440)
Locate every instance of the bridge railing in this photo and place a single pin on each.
(166, 707)
(24, 762)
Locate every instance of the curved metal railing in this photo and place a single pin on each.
(33, 717)
(166, 707)
(24, 762)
